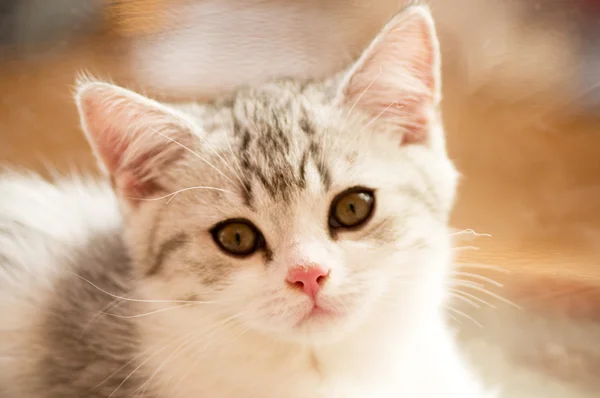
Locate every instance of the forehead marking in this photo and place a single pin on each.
(264, 151)
(318, 158)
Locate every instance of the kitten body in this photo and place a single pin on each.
(106, 295)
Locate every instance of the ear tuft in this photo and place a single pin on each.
(133, 137)
(397, 79)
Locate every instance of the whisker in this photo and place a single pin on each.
(480, 288)
(111, 304)
(464, 248)
(132, 361)
(466, 283)
(464, 315)
(178, 349)
(471, 232)
(478, 277)
(465, 299)
(356, 103)
(227, 163)
(457, 292)
(172, 195)
(131, 299)
(396, 104)
(153, 312)
(484, 266)
(359, 134)
(142, 364)
(191, 368)
(453, 317)
(191, 151)
(213, 328)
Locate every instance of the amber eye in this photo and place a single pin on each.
(237, 237)
(351, 208)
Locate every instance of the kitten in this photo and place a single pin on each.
(289, 241)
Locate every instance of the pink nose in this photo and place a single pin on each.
(309, 279)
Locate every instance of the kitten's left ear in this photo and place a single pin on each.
(136, 139)
(397, 79)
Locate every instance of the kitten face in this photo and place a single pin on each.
(279, 162)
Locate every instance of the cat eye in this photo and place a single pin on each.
(237, 237)
(351, 208)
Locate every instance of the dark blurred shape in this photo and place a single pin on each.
(7, 21)
(26, 25)
(590, 47)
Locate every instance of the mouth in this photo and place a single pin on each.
(316, 314)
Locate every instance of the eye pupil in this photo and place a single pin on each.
(351, 208)
(237, 237)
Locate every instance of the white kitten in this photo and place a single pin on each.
(288, 241)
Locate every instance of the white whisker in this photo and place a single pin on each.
(213, 328)
(484, 266)
(470, 232)
(453, 317)
(227, 163)
(396, 104)
(339, 133)
(191, 151)
(191, 368)
(153, 312)
(131, 299)
(142, 364)
(463, 248)
(145, 385)
(458, 292)
(464, 315)
(359, 134)
(172, 195)
(478, 277)
(480, 288)
(135, 358)
(111, 304)
(465, 299)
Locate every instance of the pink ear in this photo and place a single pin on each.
(397, 79)
(133, 137)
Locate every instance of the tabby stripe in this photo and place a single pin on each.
(166, 248)
(321, 168)
(303, 163)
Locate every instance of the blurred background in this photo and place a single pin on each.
(522, 109)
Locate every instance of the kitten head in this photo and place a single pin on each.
(301, 210)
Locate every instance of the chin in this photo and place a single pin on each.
(318, 326)
(321, 327)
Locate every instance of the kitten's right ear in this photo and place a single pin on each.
(397, 78)
(133, 137)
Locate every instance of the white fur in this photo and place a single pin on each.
(52, 220)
